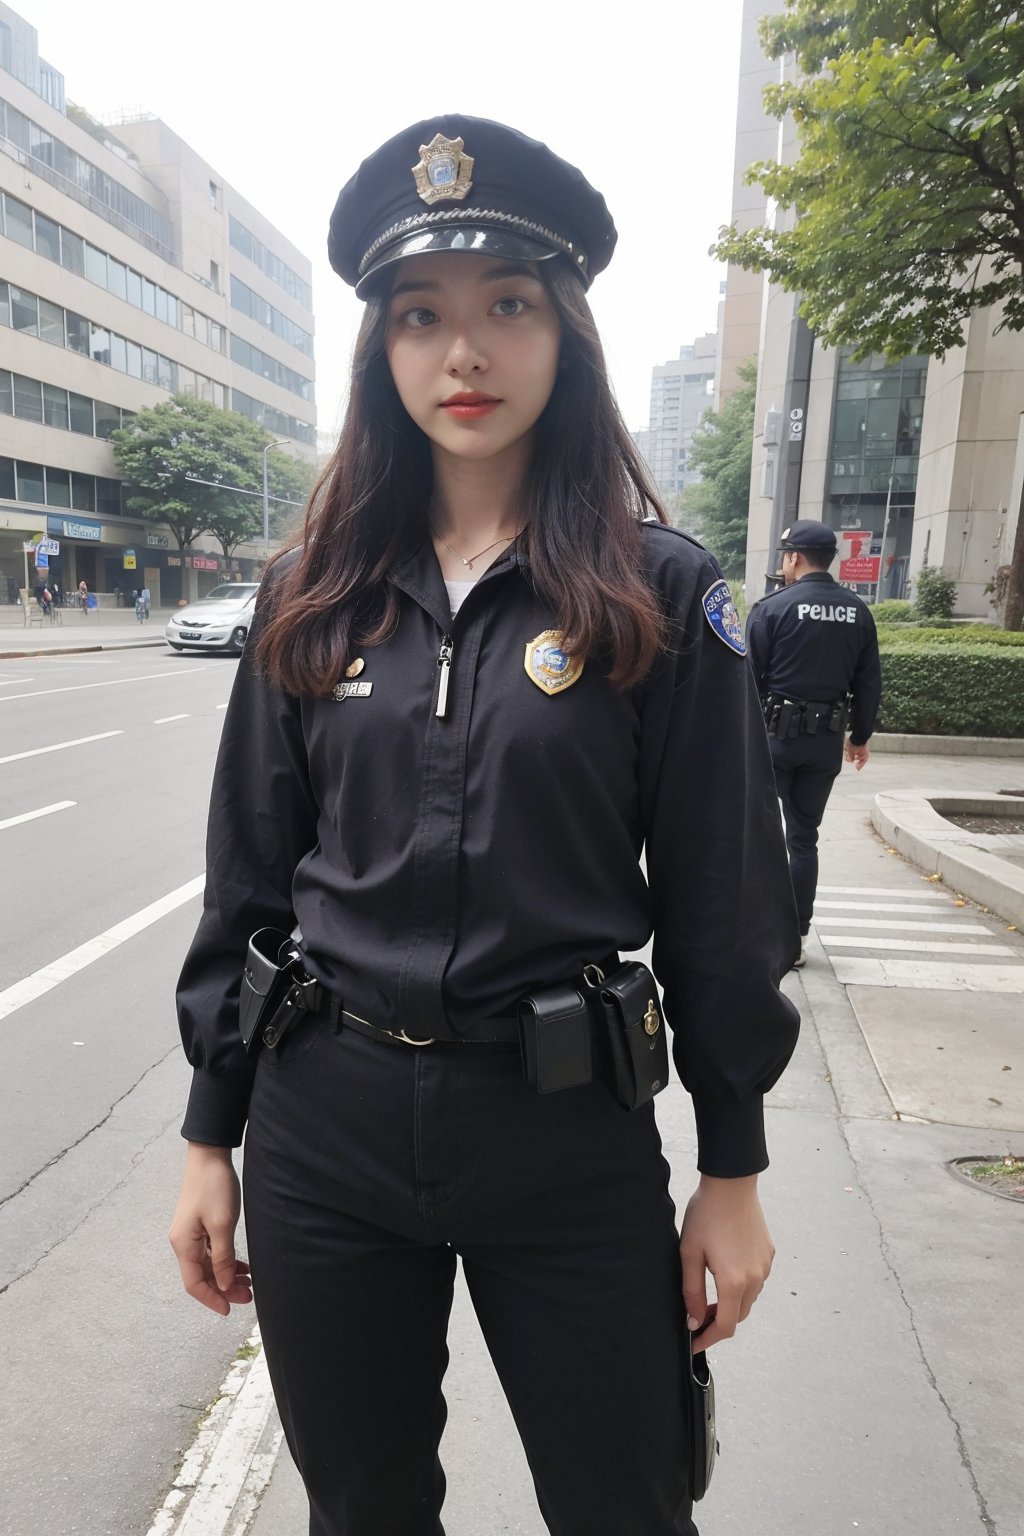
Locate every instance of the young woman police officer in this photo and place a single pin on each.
(473, 695)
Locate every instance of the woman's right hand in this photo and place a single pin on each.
(203, 1230)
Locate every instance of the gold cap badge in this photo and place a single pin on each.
(443, 172)
(548, 665)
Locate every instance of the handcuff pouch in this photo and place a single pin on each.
(637, 1043)
(554, 1032)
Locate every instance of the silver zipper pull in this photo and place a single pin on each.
(444, 663)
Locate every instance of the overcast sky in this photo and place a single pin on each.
(284, 100)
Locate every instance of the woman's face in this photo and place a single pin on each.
(473, 349)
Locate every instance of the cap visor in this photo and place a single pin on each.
(479, 240)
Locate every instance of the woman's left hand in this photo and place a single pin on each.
(723, 1231)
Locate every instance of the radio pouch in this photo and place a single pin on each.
(554, 1032)
(637, 1043)
(274, 990)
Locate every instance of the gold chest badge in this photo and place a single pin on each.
(549, 666)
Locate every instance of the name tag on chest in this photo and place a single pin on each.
(353, 691)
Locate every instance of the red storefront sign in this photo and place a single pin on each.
(860, 569)
(201, 563)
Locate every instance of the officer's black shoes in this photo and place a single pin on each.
(801, 958)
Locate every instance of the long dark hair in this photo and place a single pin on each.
(584, 495)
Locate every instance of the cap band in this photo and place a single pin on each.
(473, 216)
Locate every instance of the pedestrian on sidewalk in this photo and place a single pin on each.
(814, 650)
(83, 595)
(478, 686)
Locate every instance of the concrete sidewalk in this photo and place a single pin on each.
(879, 1384)
(71, 631)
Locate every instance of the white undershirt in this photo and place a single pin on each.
(457, 591)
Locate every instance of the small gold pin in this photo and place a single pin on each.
(443, 173)
(355, 667)
(652, 1019)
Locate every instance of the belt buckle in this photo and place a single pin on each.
(408, 1039)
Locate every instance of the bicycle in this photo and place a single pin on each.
(141, 610)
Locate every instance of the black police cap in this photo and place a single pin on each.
(808, 534)
(457, 183)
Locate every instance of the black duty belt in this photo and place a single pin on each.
(788, 718)
(497, 1031)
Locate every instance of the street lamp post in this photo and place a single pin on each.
(280, 443)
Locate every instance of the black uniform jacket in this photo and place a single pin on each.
(440, 866)
(816, 640)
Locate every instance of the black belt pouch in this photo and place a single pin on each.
(267, 979)
(637, 1041)
(554, 1031)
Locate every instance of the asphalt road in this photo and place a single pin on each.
(106, 1364)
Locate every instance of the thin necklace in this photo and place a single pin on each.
(469, 563)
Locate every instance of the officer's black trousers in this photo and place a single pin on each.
(368, 1168)
(805, 770)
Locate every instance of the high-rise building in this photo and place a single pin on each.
(681, 391)
(129, 271)
(918, 462)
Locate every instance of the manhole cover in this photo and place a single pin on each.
(1003, 1176)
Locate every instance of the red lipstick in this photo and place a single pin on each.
(470, 404)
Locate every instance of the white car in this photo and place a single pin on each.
(217, 622)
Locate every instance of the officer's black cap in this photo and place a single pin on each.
(498, 193)
(807, 535)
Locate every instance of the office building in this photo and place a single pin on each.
(129, 271)
(681, 391)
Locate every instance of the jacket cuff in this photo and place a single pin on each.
(218, 1107)
(730, 1136)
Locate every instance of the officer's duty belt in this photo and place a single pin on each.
(497, 1031)
(786, 719)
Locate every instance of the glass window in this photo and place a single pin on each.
(99, 343)
(161, 304)
(96, 265)
(172, 310)
(216, 336)
(117, 278)
(164, 372)
(55, 406)
(18, 221)
(5, 304)
(108, 497)
(202, 329)
(149, 366)
(133, 288)
(80, 414)
(188, 319)
(77, 327)
(31, 482)
(118, 353)
(204, 388)
(6, 394)
(51, 322)
(218, 394)
(58, 488)
(24, 311)
(47, 238)
(108, 419)
(72, 252)
(83, 493)
(148, 296)
(28, 398)
(7, 478)
(186, 381)
(133, 354)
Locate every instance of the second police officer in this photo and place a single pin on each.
(814, 650)
(473, 693)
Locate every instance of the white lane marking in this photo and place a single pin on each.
(892, 926)
(222, 1466)
(880, 890)
(79, 741)
(9, 682)
(874, 906)
(45, 810)
(168, 718)
(939, 947)
(934, 975)
(109, 682)
(62, 969)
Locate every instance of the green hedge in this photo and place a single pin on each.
(946, 690)
(966, 636)
(893, 610)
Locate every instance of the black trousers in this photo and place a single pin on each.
(805, 770)
(369, 1168)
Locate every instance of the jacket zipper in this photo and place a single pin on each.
(444, 667)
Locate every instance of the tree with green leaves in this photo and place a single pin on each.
(908, 187)
(718, 504)
(197, 468)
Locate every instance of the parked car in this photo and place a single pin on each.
(217, 622)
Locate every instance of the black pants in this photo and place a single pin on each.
(805, 770)
(369, 1167)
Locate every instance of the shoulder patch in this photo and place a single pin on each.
(720, 612)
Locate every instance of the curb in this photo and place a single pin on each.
(967, 861)
(80, 650)
(948, 746)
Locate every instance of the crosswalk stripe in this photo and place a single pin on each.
(853, 971)
(893, 927)
(880, 890)
(872, 906)
(938, 947)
